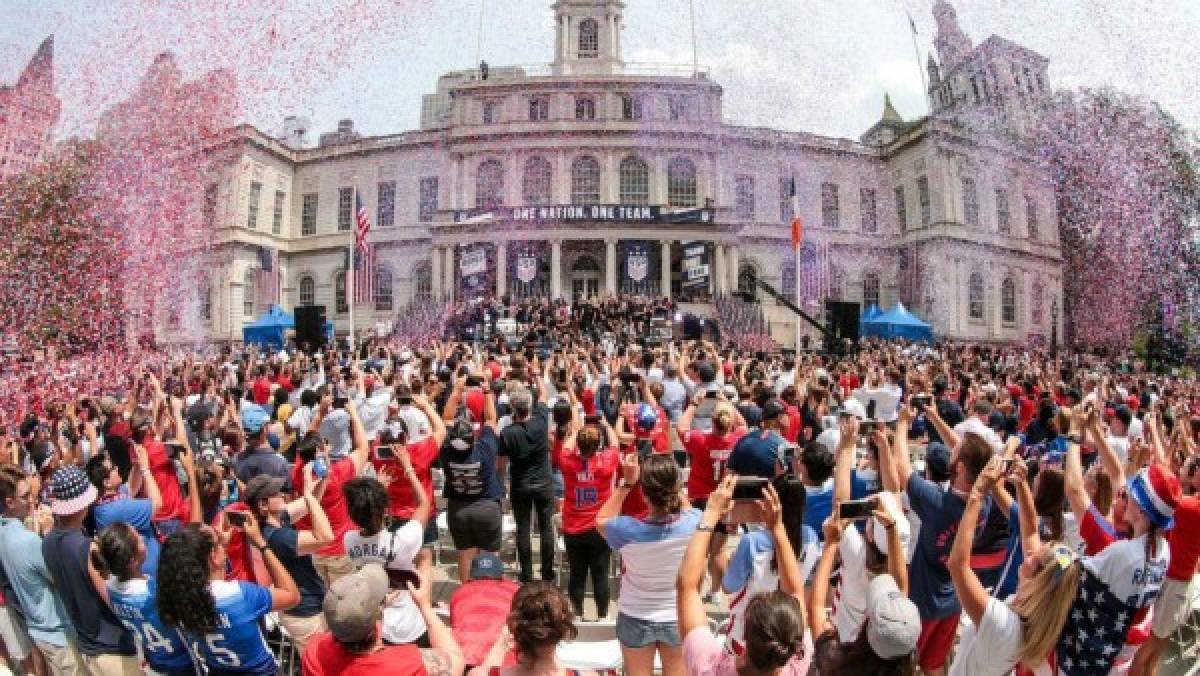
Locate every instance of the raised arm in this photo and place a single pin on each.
(1073, 480)
(818, 616)
(284, 594)
(424, 508)
(689, 604)
(947, 433)
(630, 471)
(435, 421)
(971, 593)
(900, 459)
(321, 533)
(1109, 458)
(848, 428)
(1031, 541)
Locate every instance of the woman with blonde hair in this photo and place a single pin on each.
(1025, 628)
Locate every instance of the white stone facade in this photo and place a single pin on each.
(547, 135)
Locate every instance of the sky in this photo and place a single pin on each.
(821, 67)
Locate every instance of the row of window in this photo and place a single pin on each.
(633, 182)
(680, 107)
(307, 292)
(1008, 300)
(385, 215)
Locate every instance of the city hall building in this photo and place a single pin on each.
(593, 175)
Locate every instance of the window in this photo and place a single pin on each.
(1008, 301)
(205, 301)
(249, 284)
(535, 188)
(423, 280)
(631, 107)
(681, 182)
(308, 291)
(634, 181)
(428, 197)
(743, 197)
(252, 215)
(585, 181)
(539, 109)
(491, 112)
(277, 216)
(308, 214)
(383, 289)
(589, 39)
(585, 108)
(970, 202)
(924, 199)
(1035, 303)
(866, 204)
(1003, 221)
(785, 200)
(209, 208)
(679, 108)
(747, 279)
(489, 185)
(788, 286)
(870, 290)
(830, 216)
(1031, 216)
(386, 211)
(975, 296)
(339, 293)
(345, 208)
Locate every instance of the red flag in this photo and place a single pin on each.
(797, 226)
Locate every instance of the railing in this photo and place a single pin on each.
(520, 71)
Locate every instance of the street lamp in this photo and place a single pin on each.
(1054, 328)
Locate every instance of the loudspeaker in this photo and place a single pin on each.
(310, 327)
(842, 319)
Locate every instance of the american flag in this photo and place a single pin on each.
(268, 275)
(815, 272)
(362, 221)
(797, 224)
(364, 273)
(1095, 630)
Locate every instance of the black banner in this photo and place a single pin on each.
(577, 213)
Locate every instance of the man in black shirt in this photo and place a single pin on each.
(525, 446)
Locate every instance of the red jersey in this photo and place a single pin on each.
(261, 390)
(478, 611)
(588, 401)
(324, 656)
(658, 434)
(587, 485)
(333, 501)
(285, 382)
(239, 558)
(707, 454)
(795, 423)
(162, 467)
(402, 503)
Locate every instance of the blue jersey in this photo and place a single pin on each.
(132, 602)
(237, 646)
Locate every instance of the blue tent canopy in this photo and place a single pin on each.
(871, 312)
(269, 330)
(897, 322)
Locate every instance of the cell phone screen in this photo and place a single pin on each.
(236, 519)
(749, 488)
(384, 451)
(855, 509)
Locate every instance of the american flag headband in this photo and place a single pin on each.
(1062, 557)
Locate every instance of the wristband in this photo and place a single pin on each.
(705, 529)
(1075, 439)
(263, 549)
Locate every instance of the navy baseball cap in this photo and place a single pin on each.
(487, 566)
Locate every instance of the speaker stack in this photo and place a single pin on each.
(310, 327)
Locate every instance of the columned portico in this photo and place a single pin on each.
(436, 272)
(448, 271)
(719, 275)
(610, 266)
(731, 266)
(556, 268)
(665, 287)
(501, 269)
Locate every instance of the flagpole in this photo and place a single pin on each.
(350, 268)
(920, 66)
(695, 58)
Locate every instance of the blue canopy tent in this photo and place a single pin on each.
(897, 322)
(270, 329)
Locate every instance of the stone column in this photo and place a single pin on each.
(436, 271)
(731, 267)
(666, 269)
(610, 266)
(719, 276)
(501, 268)
(448, 271)
(556, 268)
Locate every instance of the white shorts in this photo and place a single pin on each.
(12, 631)
(1172, 606)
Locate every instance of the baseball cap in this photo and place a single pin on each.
(253, 418)
(773, 409)
(730, 392)
(1154, 489)
(487, 566)
(71, 490)
(262, 487)
(647, 417)
(937, 458)
(354, 604)
(335, 428)
(830, 438)
(888, 501)
(853, 407)
(706, 372)
(893, 622)
(461, 435)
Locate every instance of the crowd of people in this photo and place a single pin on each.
(943, 508)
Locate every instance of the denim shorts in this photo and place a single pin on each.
(635, 633)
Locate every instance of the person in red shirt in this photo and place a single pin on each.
(354, 645)
(479, 608)
(424, 454)
(331, 561)
(588, 471)
(261, 388)
(636, 427)
(175, 510)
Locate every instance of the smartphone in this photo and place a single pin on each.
(745, 511)
(236, 519)
(404, 400)
(384, 452)
(591, 419)
(711, 394)
(399, 579)
(920, 401)
(749, 488)
(1006, 466)
(856, 509)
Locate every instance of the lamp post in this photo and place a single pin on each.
(1054, 328)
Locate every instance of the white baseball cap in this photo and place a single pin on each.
(893, 622)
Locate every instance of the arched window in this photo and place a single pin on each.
(206, 300)
(837, 279)
(635, 181)
(489, 185)
(423, 280)
(870, 290)
(339, 293)
(788, 286)
(536, 181)
(585, 181)
(585, 108)
(308, 291)
(681, 183)
(249, 292)
(383, 289)
(1035, 303)
(1008, 301)
(747, 278)
(975, 296)
(589, 39)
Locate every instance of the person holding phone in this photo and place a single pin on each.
(118, 502)
(221, 620)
